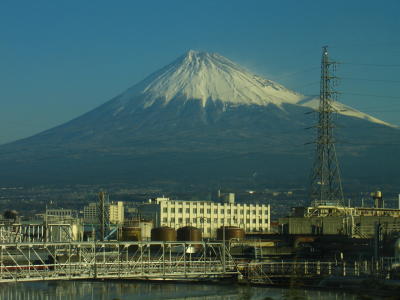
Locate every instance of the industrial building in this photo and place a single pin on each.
(59, 214)
(356, 222)
(207, 215)
(115, 212)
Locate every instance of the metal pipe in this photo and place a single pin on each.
(223, 248)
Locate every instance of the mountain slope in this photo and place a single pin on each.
(201, 119)
(345, 110)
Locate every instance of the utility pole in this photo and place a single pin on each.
(326, 185)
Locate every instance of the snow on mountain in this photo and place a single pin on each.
(345, 110)
(209, 76)
(198, 121)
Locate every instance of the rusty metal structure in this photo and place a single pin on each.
(230, 232)
(189, 233)
(164, 234)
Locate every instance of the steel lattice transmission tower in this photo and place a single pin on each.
(326, 185)
(103, 215)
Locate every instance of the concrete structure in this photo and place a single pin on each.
(116, 213)
(357, 222)
(145, 225)
(206, 215)
(91, 213)
(59, 214)
(327, 210)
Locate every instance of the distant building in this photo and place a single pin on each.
(115, 212)
(206, 215)
(91, 213)
(59, 214)
(228, 198)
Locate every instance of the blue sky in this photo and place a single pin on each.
(60, 59)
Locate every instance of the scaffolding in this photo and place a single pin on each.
(31, 233)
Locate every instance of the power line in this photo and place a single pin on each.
(372, 80)
(376, 110)
(390, 44)
(371, 65)
(297, 72)
(304, 85)
(368, 95)
(367, 144)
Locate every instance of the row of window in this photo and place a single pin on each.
(208, 230)
(59, 213)
(201, 210)
(209, 203)
(208, 220)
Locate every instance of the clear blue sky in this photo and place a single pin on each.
(60, 59)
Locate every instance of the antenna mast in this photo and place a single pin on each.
(326, 185)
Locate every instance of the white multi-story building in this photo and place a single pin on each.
(116, 212)
(207, 215)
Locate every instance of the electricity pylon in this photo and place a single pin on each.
(103, 214)
(326, 185)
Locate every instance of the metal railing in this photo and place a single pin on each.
(266, 271)
(91, 260)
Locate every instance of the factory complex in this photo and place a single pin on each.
(108, 220)
(208, 216)
(169, 238)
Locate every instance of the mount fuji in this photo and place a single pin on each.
(200, 120)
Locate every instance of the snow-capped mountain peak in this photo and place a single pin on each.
(210, 77)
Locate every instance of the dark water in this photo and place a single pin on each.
(113, 290)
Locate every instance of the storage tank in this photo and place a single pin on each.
(189, 233)
(130, 233)
(231, 232)
(378, 199)
(163, 234)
